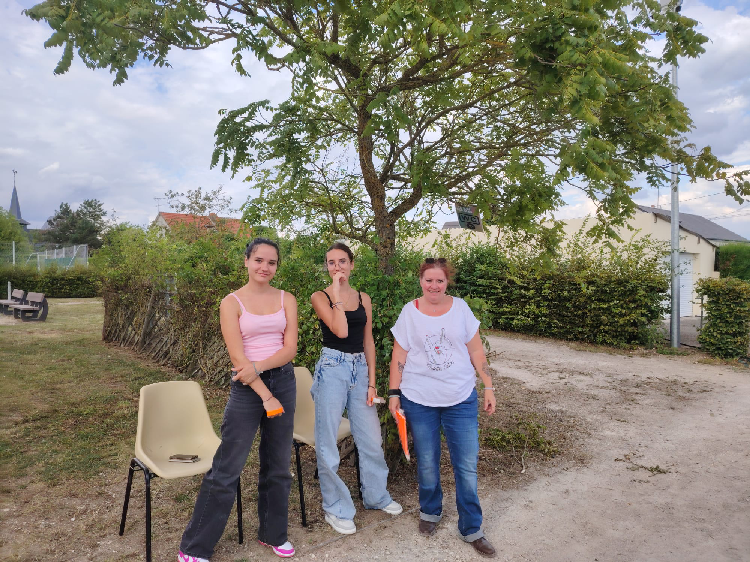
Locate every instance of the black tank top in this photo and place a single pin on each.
(354, 342)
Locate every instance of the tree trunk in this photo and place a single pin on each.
(385, 225)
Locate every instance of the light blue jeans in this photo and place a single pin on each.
(340, 383)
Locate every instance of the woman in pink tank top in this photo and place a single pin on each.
(259, 325)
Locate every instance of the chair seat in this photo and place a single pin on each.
(307, 435)
(158, 461)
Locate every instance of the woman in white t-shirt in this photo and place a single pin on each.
(436, 351)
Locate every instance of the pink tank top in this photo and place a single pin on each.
(262, 334)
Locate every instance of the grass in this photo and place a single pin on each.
(526, 434)
(68, 418)
(69, 402)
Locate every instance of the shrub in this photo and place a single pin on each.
(162, 295)
(734, 261)
(726, 333)
(584, 291)
(76, 282)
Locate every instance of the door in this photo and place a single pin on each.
(685, 269)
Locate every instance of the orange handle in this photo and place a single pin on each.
(274, 413)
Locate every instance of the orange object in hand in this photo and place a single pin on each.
(401, 424)
(275, 413)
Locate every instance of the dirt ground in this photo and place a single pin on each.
(666, 478)
(654, 465)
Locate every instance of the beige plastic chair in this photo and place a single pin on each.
(304, 430)
(172, 419)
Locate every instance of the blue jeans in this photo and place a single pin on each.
(243, 417)
(461, 430)
(340, 383)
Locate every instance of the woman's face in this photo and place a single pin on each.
(433, 283)
(337, 261)
(262, 263)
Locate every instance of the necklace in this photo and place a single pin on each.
(351, 292)
(434, 306)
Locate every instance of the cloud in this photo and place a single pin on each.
(51, 168)
(716, 86)
(123, 145)
(13, 151)
(128, 145)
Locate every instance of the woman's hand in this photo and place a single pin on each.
(394, 405)
(337, 279)
(372, 393)
(489, 401)
(244, 373)
(272, 404)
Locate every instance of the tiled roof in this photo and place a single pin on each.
(208, 222)
(697, 225)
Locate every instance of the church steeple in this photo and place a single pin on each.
(15, 207)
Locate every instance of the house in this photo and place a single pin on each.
(212, 221)
(699, 238)
(698, 225)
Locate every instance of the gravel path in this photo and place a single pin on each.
(668, 476)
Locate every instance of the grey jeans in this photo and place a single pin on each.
(243, 417)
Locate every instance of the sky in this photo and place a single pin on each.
(75, 136)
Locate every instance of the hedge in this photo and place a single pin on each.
(162, 294)
(733, 260)
(76, 282)
(611, 295)
(726, 333)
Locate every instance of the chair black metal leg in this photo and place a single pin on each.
(147, 477)
(239, 511)
(299, 483)
(127, 496)
(359, 478)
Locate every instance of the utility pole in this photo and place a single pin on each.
(674, 318)
(675, 265)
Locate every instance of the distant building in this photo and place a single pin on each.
(698, 225)
(699, 238)
(15, 210)
(212, 221)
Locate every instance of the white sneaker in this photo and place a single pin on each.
(343, 526)
(186, 558)
(393, 508)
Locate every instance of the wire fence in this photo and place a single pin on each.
(43, 256)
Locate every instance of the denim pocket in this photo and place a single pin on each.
(328, 361)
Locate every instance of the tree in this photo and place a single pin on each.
(10, 230)
(195, 202)
(85, 225)
(401, 106)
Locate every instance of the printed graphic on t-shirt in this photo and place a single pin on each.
(439, 350)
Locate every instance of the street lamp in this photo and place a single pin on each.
(674, 318)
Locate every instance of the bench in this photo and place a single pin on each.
(16, 297)
(35, 308)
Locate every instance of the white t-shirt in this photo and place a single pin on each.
(438, 370)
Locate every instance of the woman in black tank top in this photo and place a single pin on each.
(344, 379)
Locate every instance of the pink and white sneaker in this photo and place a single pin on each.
(286, 550)
(187, 558)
